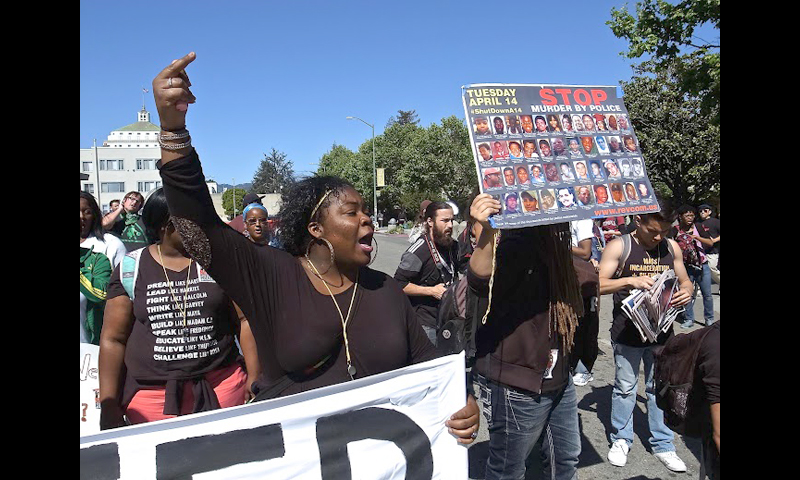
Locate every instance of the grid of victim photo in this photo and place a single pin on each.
(547, 163)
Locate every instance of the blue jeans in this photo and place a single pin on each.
(517, 418)
(623, 398)
(596, 253)
(701, 278)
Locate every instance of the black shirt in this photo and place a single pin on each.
(159, 351)
(709, 228)
(418, 266)
(294, 325)
(640, 262)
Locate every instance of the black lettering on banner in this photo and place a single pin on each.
(336, 431)
(183, 458)
(100, 462)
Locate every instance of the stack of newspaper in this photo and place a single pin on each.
(650, 309)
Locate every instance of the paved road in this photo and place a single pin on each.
(594, 404)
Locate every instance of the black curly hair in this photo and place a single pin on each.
(96, 228)
(297, 204)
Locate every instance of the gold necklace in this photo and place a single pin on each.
(172, 293)
(351, 370)
(320, 276)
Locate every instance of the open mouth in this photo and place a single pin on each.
(365, 243)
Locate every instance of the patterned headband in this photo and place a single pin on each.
(314, 212)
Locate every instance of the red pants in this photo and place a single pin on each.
(228, 383)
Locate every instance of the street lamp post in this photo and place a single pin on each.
(374, 179)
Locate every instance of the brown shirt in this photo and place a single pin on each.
(515, 347)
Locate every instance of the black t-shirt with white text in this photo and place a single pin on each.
(161, 345)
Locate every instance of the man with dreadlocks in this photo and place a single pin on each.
(532, 301)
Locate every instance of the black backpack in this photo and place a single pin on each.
(675, 364)
(456, 320)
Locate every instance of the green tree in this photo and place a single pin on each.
(275, 172)
(233, 208)
(439, 165)
(681, 143)
(665, 32)
(433, 163)
(355, 167)
(403, 117)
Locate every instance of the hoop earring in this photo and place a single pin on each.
(375, 252)
(330, 247)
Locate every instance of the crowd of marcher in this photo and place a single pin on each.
(193, 314)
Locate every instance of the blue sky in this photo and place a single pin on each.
(287, 74)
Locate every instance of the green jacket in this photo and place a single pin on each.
(95, 275)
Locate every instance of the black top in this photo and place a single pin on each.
(709, 228)
(161, 350)
(418, 266)
(295, 326)
(640, 262)
(707, 376)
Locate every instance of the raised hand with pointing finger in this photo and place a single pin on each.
(172, 98)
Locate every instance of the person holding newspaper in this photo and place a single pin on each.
(629, 263)
(319, 315)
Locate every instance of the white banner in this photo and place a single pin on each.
(90, 390)
(388, 426)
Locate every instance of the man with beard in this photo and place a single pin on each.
(584, 195)
(558, 147)
(428, 266)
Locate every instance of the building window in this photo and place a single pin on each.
(111, 165)
(87, 166)
(112, 187)
(146, 164)
(147, 186)
(88, 188)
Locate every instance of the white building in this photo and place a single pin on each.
(125, 162)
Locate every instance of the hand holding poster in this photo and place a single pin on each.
(390, 425)
(556, 153)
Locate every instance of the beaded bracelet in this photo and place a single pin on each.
(174, 146)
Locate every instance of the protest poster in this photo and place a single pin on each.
(90, 389)
(555, 153)
(389, 425)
